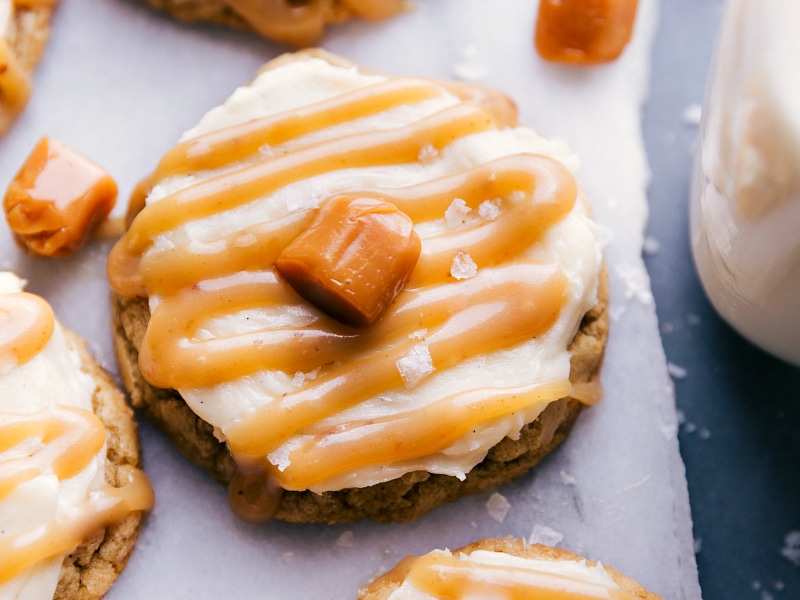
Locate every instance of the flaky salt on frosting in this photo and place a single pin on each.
(52, 449)
(314, 403)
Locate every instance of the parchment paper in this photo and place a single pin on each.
(120, 83)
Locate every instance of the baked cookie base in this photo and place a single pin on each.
(89, 571)
(403, 499)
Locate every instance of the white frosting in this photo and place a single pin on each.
(745, 213)
(573, 244)
(573, 571)
(52, 378)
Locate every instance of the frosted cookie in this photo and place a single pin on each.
(24, 29)
(298, 23)
(503, 568)
(72, 497)
(265, 314)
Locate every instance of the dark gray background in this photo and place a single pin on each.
(740, 438)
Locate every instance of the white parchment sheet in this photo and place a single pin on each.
(120, 83)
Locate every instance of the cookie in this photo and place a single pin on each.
(298, 23)
(23, 36)
(476, 369)
(88, 445)
(491, 565)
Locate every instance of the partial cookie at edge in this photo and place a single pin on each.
(88, 572)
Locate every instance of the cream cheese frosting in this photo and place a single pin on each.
(541, 364)
(53, 378)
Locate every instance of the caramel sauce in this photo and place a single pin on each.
(70, 438)
(444, 576)
(201, 280)
(26, 324)
(104, 507)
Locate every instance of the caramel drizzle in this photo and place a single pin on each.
(26, 324)
(510, 296)
(70, 438)
(103, 508)
(407, 436)
(443, 576)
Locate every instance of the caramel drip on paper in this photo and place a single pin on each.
(444, 576)
(196, 283)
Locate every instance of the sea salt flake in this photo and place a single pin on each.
(651, 246)
(427, 153)
(456, 214)
(636, 284)
(470, 67)
(416, 365)
(346, 540)
(498, 507)
(567, 479)
(693, 319)
(305, 196)
(463, 266)
(676, 372)
(489, 209)
(692, 114)
(542, 534)
(516, 196)
(791, 548)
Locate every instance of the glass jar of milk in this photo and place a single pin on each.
(745, 198)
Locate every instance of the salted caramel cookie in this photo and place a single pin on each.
(74, 474)
(24, 29)
(455, 366)
(298, 23)
(496, 567)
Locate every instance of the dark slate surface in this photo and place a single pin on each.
(740, 436)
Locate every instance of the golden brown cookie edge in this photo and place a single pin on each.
(89, 571)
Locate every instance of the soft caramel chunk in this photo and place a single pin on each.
(56, 199)
(353, 260)
(584, 32)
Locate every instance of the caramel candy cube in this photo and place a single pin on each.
(353, 260)
(56, 199)
(584, 32)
